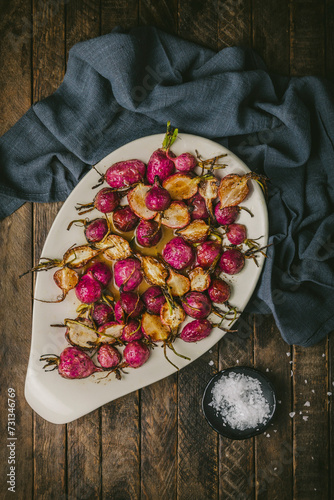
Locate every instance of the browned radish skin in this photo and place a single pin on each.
(178, 284)
(153, 328)
(154, 270)
(196, 232)
(199, 279)
(114, 247)
(109, 332)
(233, 188)
(181, 186)
(136, 199)
(124, 219)
(66, 279)
(80, 334)
(172, 315)
(176, 216)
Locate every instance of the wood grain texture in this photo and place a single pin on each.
(271, 33)
(48, 41)
(198, 22)
(236, 458)
(15, 258)
(197, 442)
(121, 448)
(234, 23)
(274, 448)
(84, 457)
(159, 439)
(118, 13)
(83, 21)
(307, 32)
(161, 14)
(310, 423)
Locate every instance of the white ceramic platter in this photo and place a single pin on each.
(59, 400)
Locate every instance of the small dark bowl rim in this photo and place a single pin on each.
(226, 431)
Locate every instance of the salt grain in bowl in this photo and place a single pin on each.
(239, 400)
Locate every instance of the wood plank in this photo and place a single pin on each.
(84, 457)
(330, 394)
(274, 448)
(118, 13)
(197, 442)
(307, 31)
(159, 439)
(161, 14)
(198, 22)
(15, 258)
(310, 423)
(270, 23)
(83, 19)
(121, 448)
(236, 458)
(235, 24)
(48, 71)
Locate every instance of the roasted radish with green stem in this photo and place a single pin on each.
(227, 215)
(108, 356)
(153, 328)
(148, 233)
(123, 174)
(196, 330)
(137, 202)
(232, 261)
(132, 331)
(105, 201)
(95, 230)
(172, 315)
(196, 305)
(73, 258)
(198, 207)
(73, 363)
(234, 188)
(219, 291)
(159, 163)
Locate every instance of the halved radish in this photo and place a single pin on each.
(66, 279)
(136, 199)
(115, 247)
(155, 272)
(178, 284)
(199, 279)
(181, 186)
(172, 316)
(176, 216)
(196, 232)
(80, 334)
(208, 188)
(153, 328)
(233, 188)
(110, 331)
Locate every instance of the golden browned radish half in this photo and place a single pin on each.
(196, 232)
(153, 328)
(181, 186)
(155, 272)
(178, 284)
(66, 279)
(115, 247)
(172, 316)
(176, 216)
(199, 279)
(81, 335)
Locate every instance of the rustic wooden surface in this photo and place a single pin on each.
(154, 443)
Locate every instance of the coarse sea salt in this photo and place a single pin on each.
(239, 399)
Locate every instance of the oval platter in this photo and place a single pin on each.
(61, 401)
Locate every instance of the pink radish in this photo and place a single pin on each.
(219, 291)
(108, 356)
(125, 173)
(73, 363)
(197, 305)
(148, 233)
(105, 201)
(88, 290)
(125, 219)
(136, 353)
(232, 261)
(131, 331)
(178, 253)
(153, 299)
(128, 274)
(157, 198)
(101, 272)
(196, 330)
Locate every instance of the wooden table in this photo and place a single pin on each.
(155, 443)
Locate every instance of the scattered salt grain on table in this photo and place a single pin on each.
(307, 403)
(211, 363)
(239, 399)
(292, 414)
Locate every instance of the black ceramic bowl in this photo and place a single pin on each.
(216, 420)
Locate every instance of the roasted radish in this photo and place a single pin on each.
(72, 363)
(153, 328)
